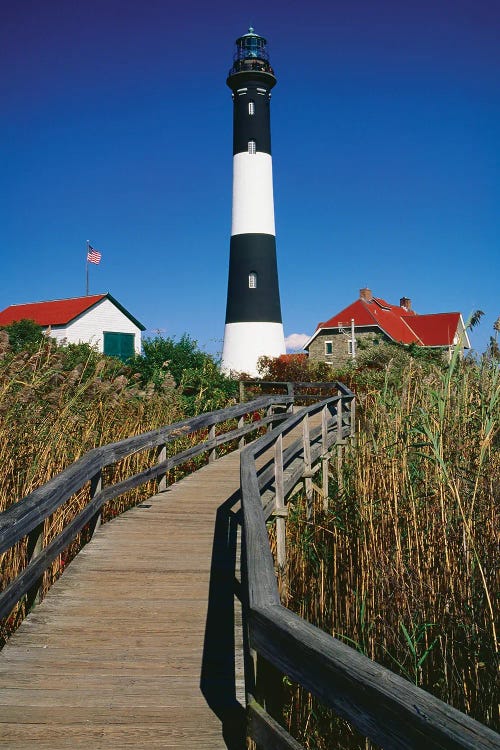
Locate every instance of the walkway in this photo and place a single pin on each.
(134, 645)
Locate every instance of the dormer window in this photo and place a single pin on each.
(252, 147)
(252, 280)
(251, 108)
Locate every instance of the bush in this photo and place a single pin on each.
(202, 386)
(24, 335)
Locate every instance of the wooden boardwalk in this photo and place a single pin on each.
(135, 645)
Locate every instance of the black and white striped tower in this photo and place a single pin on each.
(253, 314)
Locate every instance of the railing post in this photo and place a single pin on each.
(280, 510)
(352, 419)
(95, 488)
(290, 392)
(242, 391)
(325, 463)
(340, 453)
(213, 453)
(339, 419)
(162, 456)
(307, 474)
(241, 423)
(35, 546)
(269, 412)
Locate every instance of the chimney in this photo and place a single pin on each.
(405, 302)
(366, 294)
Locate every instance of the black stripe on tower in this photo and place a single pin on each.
(251, 114)
(253, 254)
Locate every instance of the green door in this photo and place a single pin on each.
(119, 345)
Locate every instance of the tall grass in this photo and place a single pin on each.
(56, 404)
(403, 564)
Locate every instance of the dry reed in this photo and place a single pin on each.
(404, 560)
(51, 413)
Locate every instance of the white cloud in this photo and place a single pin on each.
(296, 341)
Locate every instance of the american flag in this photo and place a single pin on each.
(93, 255)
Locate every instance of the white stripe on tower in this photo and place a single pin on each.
(253, 314)
(253, 209)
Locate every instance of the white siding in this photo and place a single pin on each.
(89, 327)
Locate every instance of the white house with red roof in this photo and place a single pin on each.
(371, 320)
(98, 319)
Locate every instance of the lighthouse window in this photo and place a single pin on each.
(328, 347)
(252, 147)
(251, 108)
(252, 280)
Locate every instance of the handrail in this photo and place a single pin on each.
(384, 707)
(26, 517)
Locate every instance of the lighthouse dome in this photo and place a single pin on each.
(251, 54)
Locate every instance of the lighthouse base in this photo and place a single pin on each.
(244, 343)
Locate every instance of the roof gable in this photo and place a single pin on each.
(59, 312)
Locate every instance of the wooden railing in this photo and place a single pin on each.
(26, 518)
(384, 707)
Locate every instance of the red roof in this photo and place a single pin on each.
(58, 312)
(379, 313)
(436, 330)
(400, 324)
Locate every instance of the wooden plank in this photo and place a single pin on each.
(266, 732)
(279, 503)
(121, 645)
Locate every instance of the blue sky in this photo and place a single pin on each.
(116, 128)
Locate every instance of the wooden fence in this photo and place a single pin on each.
(384, 707)
(26, 518)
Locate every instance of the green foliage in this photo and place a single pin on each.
(24, 335)
(166, 356)
(196, 373)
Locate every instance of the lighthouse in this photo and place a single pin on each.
(253, 314)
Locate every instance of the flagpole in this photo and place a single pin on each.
(87, 269)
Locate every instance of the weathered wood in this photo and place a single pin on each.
(133, 645)
(339, 420)
(23, 516)
(266, 732)
(383, 706)
(325, 457)
(162, 478)
(386, 708)
(262, 589)
(211, 439)
(34, 548)
(96, 485)
(280, 503)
